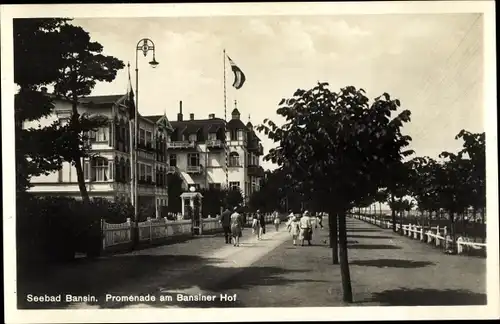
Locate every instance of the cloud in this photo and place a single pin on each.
(259, 27)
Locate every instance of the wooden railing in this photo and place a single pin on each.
(438, 236)
(181, 144)
(151, 230)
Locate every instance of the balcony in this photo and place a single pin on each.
(255, 147)
(214, 144)
(193, 169)
(255, 171)
(181, 145)
(148, 147)
(171, 169)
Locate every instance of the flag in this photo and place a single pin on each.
(239, 76)
(129, 101)
(164, 125)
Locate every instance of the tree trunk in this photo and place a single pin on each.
(393, 213)
(75, 123)
(332, 225)
(452, 230)
(344, 261)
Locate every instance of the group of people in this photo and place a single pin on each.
(300, 227)
(233, 223)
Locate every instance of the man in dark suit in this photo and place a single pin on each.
(225, 220)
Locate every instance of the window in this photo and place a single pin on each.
(249, 159)
(127, 175)
(118, 171)
(123, 170)
(234, 134)
(212, 136)
(142, 136)
(234, 185)
(149, 173)
(100, 169)
(173, 160)
(193, 137)
(101, 135)
(214, 186)
(234, 159)
(240, 135)
(60, 175)
(193, 159)
(149, 139)
(142, 172)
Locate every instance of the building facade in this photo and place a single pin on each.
(198, 148)
(108, 170)
(194, 149)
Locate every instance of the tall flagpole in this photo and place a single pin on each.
(131, 136)
(225, 122)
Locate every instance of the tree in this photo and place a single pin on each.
(474, 149)
(337, 144)
(213, 200)
(174, 190)
(36, 64)
(82, 66)
(234, 198)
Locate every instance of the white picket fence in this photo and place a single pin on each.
(160, 228)
(434, 235)
(151, 230)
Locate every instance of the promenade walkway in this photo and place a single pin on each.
(386, 269)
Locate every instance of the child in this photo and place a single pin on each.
(294, 228)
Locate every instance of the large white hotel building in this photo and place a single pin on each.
(196, 150)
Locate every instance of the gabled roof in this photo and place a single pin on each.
(103, 100)
(236, 124)
(193, 126)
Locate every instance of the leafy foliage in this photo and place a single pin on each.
(338, 147)
(234, 198)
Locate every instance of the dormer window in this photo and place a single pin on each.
(234, 134)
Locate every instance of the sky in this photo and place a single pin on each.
(433, 63)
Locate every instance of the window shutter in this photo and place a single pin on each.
(111, 170)
(86, 170)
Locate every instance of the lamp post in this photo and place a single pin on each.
(145, 45)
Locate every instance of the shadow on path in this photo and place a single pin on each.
(427, 297)
(370, 236)
(362, 230)
(391, 263)
(154, 275)
(375, 247)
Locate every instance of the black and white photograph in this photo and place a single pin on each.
(274, 161)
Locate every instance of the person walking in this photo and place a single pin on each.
(319, 220)
(276, 220)
(293, 226)
(225, 220)
(256, 226)
(236, 227)
(262, 223)
(305, 228)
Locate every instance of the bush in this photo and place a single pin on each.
(53, 229)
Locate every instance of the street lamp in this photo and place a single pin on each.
(145, 45)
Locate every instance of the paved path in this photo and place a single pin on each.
(386, 269)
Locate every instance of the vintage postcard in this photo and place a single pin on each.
(250, 162)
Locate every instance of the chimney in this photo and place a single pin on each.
(191, 116)
(43, 89)
(179, 115)
(211, 116)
